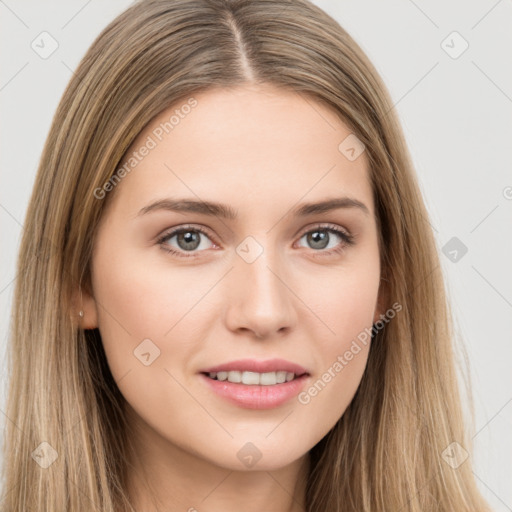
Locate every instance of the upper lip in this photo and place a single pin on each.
(252, 365)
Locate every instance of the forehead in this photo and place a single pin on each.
(248, 146)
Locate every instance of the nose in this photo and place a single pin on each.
(260, 300)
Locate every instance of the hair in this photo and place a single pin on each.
(385, 452)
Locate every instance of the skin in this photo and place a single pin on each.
(262, 151)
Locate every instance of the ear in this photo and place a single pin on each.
(382, 300)
(83, 300)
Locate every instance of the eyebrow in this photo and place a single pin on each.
(225, 211)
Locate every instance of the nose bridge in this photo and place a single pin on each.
(260, 300)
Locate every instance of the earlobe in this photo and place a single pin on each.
(382, 301)
(379, 310)
(90, 312)
(84, 311)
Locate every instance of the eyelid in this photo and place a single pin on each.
(326, 226)
(170, 232)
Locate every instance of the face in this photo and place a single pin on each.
(231, 329)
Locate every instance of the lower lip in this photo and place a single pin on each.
(256, 397)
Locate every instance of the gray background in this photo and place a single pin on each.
(455, 109)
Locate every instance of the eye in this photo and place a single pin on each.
(188, 239)
(321, 238)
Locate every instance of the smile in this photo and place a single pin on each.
(254, 393)
(254, 378)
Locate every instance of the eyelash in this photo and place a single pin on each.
(347, 240)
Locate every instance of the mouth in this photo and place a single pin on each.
(252, 384)
(254, 378)
(255, 390)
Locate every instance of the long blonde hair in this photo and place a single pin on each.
(386, 452)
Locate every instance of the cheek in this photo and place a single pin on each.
(342, 359)
(346, 307)
(147, 320)
(330, 392)
(344, 300)
(137, 301)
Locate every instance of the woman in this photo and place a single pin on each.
(228, 293)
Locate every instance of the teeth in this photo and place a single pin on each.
(235, 376)
(250, 378)
(254, 378)
(280, 377)
(268, 379)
